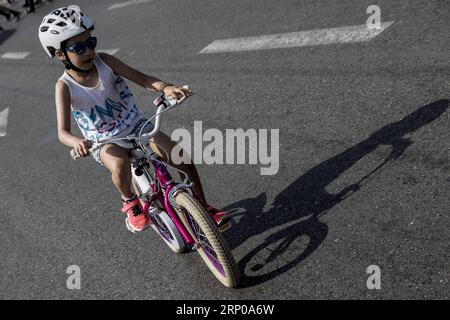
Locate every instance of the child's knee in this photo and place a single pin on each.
(115, 158)
(120, 167)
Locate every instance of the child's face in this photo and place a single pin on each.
(85, 61)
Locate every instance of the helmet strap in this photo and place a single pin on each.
(69, 65)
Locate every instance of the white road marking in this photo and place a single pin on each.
(315, 37)
(15, 55)
(108, 51)
(3, 122)
(127, 4)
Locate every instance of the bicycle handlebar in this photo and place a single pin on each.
(163, 103)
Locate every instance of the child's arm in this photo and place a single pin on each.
(144, 80)
(62, 100)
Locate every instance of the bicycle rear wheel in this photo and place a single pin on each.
(212, 247)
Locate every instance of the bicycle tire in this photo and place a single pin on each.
(228, 274)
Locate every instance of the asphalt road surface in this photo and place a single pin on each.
(364, 176)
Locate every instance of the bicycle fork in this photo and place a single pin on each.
(167, 194)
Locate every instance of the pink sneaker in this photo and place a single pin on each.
(221, 218)
(137, 219)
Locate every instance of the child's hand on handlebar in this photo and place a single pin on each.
(177, 93)
(82, 148)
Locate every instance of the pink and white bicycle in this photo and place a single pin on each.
(176, 215)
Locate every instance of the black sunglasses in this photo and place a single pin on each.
(81, 47)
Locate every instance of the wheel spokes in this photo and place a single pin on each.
(202, 239)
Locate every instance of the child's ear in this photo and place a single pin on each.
(59, 54)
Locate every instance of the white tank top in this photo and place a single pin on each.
(105, 111)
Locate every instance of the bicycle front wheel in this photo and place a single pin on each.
(163, 225)
(212, 247)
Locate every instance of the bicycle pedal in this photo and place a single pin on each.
(225, 227)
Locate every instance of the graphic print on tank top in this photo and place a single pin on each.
(105, 111)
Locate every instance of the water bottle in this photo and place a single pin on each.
(141, 179)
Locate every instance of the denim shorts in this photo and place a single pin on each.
(148, 128)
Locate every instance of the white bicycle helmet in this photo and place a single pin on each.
(62, 24)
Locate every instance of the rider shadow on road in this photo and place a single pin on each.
(307, 198)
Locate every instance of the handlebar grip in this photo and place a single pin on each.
(74, 155)
(172, 102)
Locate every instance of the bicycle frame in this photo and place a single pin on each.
(167, 189)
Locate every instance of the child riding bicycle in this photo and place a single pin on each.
(93, 91)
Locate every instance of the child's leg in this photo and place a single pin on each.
(162, 141)
(116, 160)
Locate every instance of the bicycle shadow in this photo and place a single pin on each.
(307, 198)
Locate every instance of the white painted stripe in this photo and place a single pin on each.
(127, 4)
(108, 51)
(3, 122)
(297, 39)
(15, 55)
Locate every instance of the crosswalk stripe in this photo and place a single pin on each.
(127, 4)
(3, 122)
(315, 37)
(15, 55)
